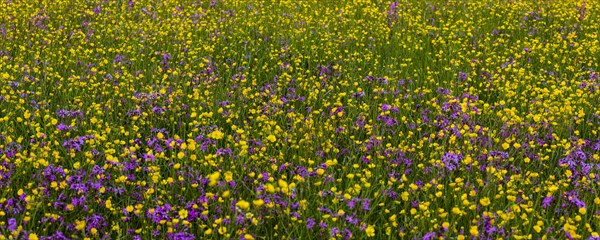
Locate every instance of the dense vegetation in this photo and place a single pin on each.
(313, 119)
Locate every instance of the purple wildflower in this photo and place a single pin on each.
(451, 160)
(547, 201)
(12, 224)
(462, 76)
(310, 223)
(429, 236)
(63, 127)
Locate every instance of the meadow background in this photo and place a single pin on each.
(232, 119)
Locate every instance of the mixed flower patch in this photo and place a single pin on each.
(237, 119)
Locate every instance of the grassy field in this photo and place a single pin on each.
(309, 119)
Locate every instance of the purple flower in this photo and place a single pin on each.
(365, 204)
(14, 85)
(334, 231)
(59, 236)
(385, 107)
(183, 236)
(12, 224)
(310, 223)
(443, 91)
(352, 220)
(62, 113)
(351, 204)
(429, 236)
(95, 221)
(224, 151)
(97, 10)
(462, 76)
(358, 94)
(63, 127)
(451, 160)
(347, 234)
(323, 225)
(547, 201)
(578, 202)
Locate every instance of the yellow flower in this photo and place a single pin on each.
(370, 230)
(456, 210)
(228, 176)
(258, 202)
(243, 204)
(582, 210)
(225, 194)
(446, 225)
(404, 196)
(216, 135)
(183, 214)
(474, 232)
(413, 211)
(282, 183)
(80, 225)
(222, 230)
(32, 236)
(485, 201)
(214, 178)
(272, 138)
(270, 188)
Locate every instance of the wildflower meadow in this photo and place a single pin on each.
(299, 119)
